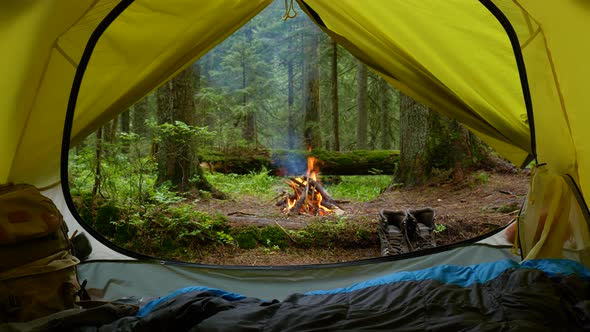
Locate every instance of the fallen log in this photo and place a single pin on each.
(293, 162)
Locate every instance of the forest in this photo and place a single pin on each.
(203, 167)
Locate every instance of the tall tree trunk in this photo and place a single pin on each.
(196, 77)
(98, 158)
(334, 95)
(249, 133)
(140, 115)
(177, 160)
(362, 109)
(431, 141)
(125, 121)
(208, 62)
(385, 110)
(199, 68)
(109, 130)
(291, 134)
(451, 147)
(312, 134)
(125, 128)
(414, 132)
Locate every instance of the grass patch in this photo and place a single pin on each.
(359, 187)
(260, 184)
(481, 177)
(362, 188)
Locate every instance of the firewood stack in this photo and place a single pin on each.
(308, 197)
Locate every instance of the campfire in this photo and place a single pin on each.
(308, 196)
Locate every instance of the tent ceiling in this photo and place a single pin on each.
(452, 55)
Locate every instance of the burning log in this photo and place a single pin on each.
(309, 196)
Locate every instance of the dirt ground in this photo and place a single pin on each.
(476, 206)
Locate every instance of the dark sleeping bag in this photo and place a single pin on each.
(536, 295)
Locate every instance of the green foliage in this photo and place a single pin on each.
(481, 177)
(246, 237)
(165, 230)
(180, 132)
(164, 195)
(273, 236)
(438, 228)
(254, 183)
(341, 233)
(127, 178)
(106, 218)
(361, 188)
(245, 75)
(84, 205)
(190, 226)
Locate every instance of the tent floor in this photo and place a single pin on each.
(116, 279)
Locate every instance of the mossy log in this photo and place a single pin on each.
(294, 162)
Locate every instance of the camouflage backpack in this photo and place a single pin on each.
(37, 269)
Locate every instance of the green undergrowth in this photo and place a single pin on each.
(161, 223)
(255, 183)
(177, 231)
(361, 188)
(358, 187)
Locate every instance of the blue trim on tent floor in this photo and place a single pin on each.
(450, 274)
(467, 275)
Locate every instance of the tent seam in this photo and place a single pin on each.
(83, 15)
(65, 55)
(68, 124)
(26, 123)
(527, 18)
(520, 64)
(553, 71)
(530, 39)
(487, 127)
(557, 86)
(180, 65)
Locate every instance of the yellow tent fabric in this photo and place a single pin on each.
(555, 63)
(148, 43)
(452, 55)
(456, 58)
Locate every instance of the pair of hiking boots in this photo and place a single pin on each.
(405, 231)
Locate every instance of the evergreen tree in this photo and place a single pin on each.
(140, 115)
(334, 95)
(312, 134)
(361, 105)
(176, 155)
(431, 141)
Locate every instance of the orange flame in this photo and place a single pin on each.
(312, 203)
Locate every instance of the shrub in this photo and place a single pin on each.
(273, 236)
(481, 177)
(362, 188)
(340, 233)
(246, 237)
(106, 217)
